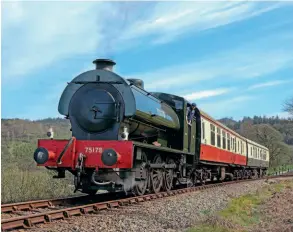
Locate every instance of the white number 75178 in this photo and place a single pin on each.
(93, 149)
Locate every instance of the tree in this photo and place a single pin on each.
(286, 130)
(290, 160)
(273, 140)
(246, 128)
(289, 106)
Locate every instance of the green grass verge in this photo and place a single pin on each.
(242, 212)
(273, 170)
(208, 228)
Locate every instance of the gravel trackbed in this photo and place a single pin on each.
(176, 213)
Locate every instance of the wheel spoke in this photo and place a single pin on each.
(156, 175)
(168, 176)
(141, 186)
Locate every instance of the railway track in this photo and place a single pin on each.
(76, 206)
(19, 207)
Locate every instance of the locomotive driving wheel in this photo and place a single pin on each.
(168, 176)
(156, 175)
(141, 185)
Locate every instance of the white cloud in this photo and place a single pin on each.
(268, 84)
(170, 20)
(246, 62)
(41, 33)
(206, 94)
(36, 34)
(225, 107)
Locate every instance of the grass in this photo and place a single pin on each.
(23, 185)
(273, 170)
(242, 212)
(205, 212)
(208, 228)
(22, 180)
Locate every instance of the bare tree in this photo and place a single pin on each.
(272, 139)
(288, 106)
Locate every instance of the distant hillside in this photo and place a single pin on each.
(274, 133)
(283, 126)
(27, 131)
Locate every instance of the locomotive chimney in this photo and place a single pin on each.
(105, 64)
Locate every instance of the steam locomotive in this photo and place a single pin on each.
(125, 138)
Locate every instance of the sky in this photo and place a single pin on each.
(233, 59)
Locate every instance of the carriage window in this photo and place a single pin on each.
(232, 143)
(224, 140)
(218, 137)
(228, 141)
(203, 131)
(260, 152)
(251, 151)
(235, 144)
(213, 135)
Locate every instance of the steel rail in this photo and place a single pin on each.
(30, 220)
(29, 205)
(49, 203)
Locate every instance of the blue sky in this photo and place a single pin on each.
(232, 58)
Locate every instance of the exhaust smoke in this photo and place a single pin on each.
(118, 23)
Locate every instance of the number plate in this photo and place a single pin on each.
(93, 149)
